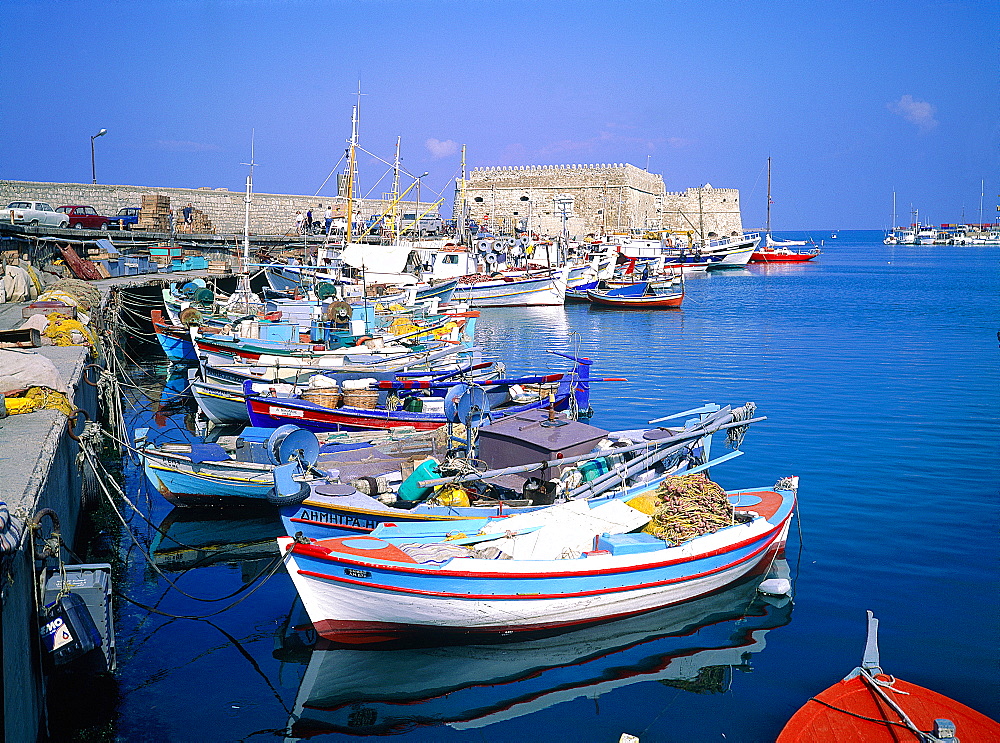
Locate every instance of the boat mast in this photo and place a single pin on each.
(462, 208)
(701, 218)
(982, 193)
(351, 166)
(768, 230)
(395, 196)
(244, 286)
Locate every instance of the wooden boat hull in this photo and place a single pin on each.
(837, 715)
(271, 412)
(770, 256)
(175, 340)
(183, 483)
(365, 594)
(648, 302)
(540, 292)
(221, 403)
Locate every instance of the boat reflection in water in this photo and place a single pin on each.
(196, 537)
(693, 646)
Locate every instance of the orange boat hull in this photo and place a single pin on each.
(850, 711)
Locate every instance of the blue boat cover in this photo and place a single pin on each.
(632, 290)
(208, 453)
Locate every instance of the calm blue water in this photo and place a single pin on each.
(878, 370)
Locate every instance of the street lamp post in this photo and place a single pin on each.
(93, 170)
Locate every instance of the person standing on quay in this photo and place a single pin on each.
(299, 217)
(309, 220)
(328, 218)
(188, 212)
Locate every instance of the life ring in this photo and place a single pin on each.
(363, 339)
(71, 421)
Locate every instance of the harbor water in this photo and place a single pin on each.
(878, 369)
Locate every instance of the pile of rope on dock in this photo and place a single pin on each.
(689, 506)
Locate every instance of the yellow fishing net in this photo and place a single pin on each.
(689, 506)
(61, 330)
(37, 398)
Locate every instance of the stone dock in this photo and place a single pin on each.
(40, 469)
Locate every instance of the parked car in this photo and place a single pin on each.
(126, 218)
(34, 213)
(84, 217)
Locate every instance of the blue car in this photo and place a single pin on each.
(126, 218)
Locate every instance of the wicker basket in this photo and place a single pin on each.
(328, 398)
(367, 399)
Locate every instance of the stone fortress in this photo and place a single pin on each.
(598, 199)
(606, 198)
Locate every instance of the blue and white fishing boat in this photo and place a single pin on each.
(425, 404)
(269, 466)
(531, 464)
(568, 565)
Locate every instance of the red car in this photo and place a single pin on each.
(84, 218)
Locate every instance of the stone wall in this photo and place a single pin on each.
(606, 198)
(270, 214)
(716, 211)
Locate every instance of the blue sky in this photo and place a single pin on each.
(852, 100)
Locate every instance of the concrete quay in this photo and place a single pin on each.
(38, 462)
(40, 469)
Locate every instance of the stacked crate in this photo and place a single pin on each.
(200, 223)
(154, 215)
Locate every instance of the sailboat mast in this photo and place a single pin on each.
(463, 207)
(247, 200)
(768, 231)
(395, 195)
(351, 165)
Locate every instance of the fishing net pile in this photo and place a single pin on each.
(689, 506)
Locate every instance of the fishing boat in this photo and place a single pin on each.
(531, 460)
(571, 564)
(425, 404)
(870, 705)
(638, 296)
(481, 290)
(448, 331)
(175, 340)
(780, 251)
(696, 647)
(269, 466)
(578, 294)
(221, 392)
